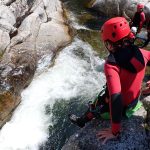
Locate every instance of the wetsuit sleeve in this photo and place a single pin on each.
(115, 104)
(142, 17)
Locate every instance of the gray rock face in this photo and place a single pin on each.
(29, 29)
(133, 135)
(146, 102)
(124, 8)
(4, 41)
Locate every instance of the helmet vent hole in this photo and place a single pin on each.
(115, 26)
(113, 34)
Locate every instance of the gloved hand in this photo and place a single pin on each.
(146, 90)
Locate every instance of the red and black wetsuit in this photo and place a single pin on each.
(124, 72)
(138, 20)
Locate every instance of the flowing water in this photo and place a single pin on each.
(40, 121)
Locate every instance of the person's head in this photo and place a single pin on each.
(140, 7)
(115, 32)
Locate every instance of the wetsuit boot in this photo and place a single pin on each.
(81, 121)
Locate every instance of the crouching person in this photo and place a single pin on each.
(124, 70)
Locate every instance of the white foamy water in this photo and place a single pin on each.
(73, 74)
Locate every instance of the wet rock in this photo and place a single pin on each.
(14, 77)
(133, 135)
(8, 102)
(146, 103)
(25, 65)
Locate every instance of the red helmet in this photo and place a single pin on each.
(115, 29)
(140, 6)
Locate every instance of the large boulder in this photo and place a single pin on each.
(133, 135)
(112, 8)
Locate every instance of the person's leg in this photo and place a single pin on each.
(98, 109)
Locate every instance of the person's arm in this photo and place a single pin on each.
(142, 17)
(114, 87)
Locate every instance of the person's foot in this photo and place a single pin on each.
(76, 120)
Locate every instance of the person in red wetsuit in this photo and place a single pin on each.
(124, 70)
(139, 18)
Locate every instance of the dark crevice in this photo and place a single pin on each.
(30, 3)
(20, 19)
(13, 34)
(9, 3)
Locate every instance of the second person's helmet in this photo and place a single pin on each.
(140, 6)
